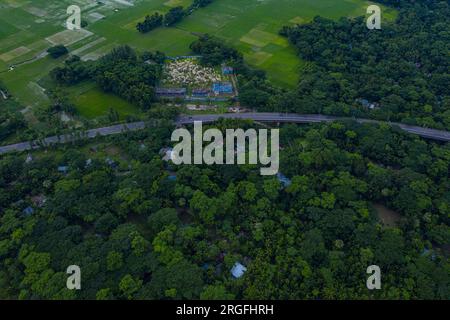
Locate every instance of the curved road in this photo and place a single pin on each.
(208, 118)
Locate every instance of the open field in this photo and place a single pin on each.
(252, 26)
(28, 28)
(91, 102)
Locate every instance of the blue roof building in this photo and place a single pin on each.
(238, 270)
(172, 177)
(63, 169)
(227, 70)
(205, 266)
(364, 102)
(28, 211)
(428, 252)
(111, 162)
(367, 104)
(171, 92)
(285, 181)
(222, 88)
(200, 92)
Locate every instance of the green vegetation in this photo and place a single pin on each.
(93, 103)
(150, 23)
(57, 51)
(403, 75)
(353, 195)
(173, 16)
(26, 26)
(138, 235)
(121, 72)
(11, 123)
(356, 72)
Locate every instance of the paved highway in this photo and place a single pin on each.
(310, 118)
(105, 131)
(208, 118)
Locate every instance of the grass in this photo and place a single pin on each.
(251, 26)
(92, 102)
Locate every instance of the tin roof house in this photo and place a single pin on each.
(285, 181)
(226, 70)
(238, 270)
(28, 211)
(166, 154)
(222, 88)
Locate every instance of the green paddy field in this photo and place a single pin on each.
(29, 27)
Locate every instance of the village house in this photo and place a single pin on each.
(238, 270)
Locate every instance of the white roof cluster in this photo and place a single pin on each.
(188, 72)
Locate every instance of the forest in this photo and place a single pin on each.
(121, 72)
(150, 23)
(400, 73)
(403, 70)
(137, 233)
(353, 195)
(173, 16)
(11, 121)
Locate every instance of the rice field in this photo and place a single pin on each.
(28, 28)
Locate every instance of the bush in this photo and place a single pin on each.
(57, 51)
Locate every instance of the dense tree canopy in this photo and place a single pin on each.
(150, 23)
(138, 235)
(57, 51)
(359, 194)
(403, 69)
(174, 15)
(399, 73)
(121, 72)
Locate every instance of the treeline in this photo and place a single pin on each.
(173, 16)
(121, 72)
(150, 23)
(11, 121)
(136, 234)
(356, 72)
(57, 51)
(156, 20)
(214, 51)
(15, 126)
(402, 70)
